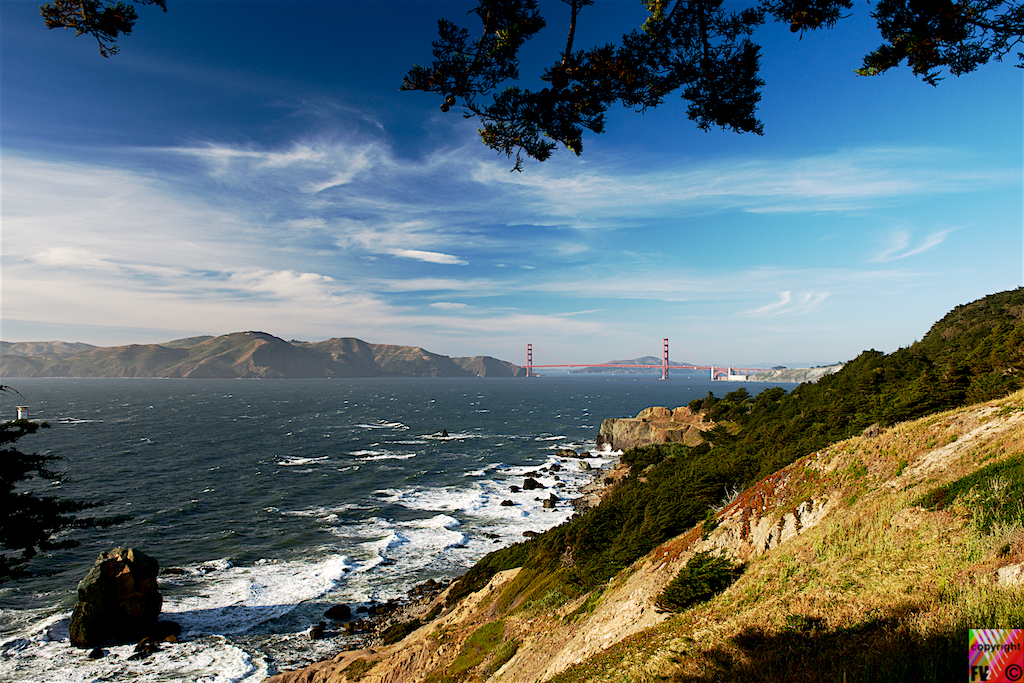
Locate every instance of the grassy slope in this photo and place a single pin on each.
(882, 589)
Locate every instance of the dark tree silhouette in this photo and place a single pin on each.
(105, 21)
(692, 46)
(30, 521)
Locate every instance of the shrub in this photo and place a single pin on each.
(396, 632)
(357, 668)
(479, 644)
(703, 577)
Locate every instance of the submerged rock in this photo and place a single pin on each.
(145, 648)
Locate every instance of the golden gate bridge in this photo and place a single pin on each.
(718, 372)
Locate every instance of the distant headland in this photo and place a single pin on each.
(255, 355)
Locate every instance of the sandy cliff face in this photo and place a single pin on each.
(653, 425)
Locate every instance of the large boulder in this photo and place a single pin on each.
(118, 599)
(529, 484)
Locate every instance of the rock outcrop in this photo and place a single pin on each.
(653, 425)
(118, 599)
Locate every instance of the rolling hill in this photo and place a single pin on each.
(241, 355)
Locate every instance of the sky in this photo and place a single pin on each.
(253, 166)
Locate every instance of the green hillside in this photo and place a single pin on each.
(973, 354)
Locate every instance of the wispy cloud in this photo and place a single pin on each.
(341, 237)
(843, 181)
(429, 256)
(901, 246)
(788, 304)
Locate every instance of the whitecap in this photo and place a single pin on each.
(382, 424)
(443, 499)
(44, 652)
(436, 522)
(294, 460)
(391, 540)
(324, 514)
(391, 456)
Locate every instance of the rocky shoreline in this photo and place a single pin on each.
(388, 623)
(377, 625)
(98, 629)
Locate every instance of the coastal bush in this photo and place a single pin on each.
(509, 557)
(588, 606)
(357, 668)
(704, 576)
(396, 632)
(504, 652)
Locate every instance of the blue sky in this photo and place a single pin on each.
(252, 165)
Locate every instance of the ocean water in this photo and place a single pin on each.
(278, 499)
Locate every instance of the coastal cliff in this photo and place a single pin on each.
(653, 425)
(844, 559)
(853, 529)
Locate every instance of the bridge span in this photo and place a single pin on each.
(718, 372)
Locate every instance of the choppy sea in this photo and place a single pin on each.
(277, 499)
